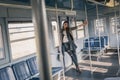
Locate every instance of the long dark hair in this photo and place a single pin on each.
(67, 29)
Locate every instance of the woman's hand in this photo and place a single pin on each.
(84, 23)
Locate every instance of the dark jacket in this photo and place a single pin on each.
(70, 45)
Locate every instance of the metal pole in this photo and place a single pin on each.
(97, 13)
(88, 41)
(71, 5)
(117, 35)
(41, 32)
(56, 10)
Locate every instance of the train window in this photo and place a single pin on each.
(99, 26)
(2, 56)
(22, 39)
(80, 30)
(113, 24)
(72, 24)
(55, 33)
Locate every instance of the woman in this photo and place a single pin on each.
(68, 44)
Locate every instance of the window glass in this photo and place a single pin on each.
(99, 25)
(114, 24)
(72, 24)
(22, 39)
(55, 33)
(80, 30)
(2, 56)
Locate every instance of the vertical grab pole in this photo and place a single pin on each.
(56, 11)
(41, 32)
(97, 12)
(117, 35)
(71, 5)
(88, 40)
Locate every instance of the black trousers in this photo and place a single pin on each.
(72, 53)
(73, 57)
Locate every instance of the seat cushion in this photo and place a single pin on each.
(113, 78)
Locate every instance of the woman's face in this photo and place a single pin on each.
(65, 25)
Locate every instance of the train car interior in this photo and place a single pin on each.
(31, 39)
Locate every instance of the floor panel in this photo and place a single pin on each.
(106, 67)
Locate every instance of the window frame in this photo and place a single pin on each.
(72, 19)
(83, 29)
(104, 25)
(57, 34)
(111, 26)
(9, 43)
(3, 46)
(3, 25)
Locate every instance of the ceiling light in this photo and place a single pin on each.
(112, 3)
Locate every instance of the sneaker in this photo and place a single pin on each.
(78, 70)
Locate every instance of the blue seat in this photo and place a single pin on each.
(36, 78)
(91, 42)
(21, 71)
(91, 49)
(34, 70)
(56, 69)
(32, 65)
(106, 40)
(7, 74)
(95, 43)
(86, 43)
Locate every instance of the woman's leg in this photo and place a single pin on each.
(74, 58)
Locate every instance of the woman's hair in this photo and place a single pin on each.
(68, 24)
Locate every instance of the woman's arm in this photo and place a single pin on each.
(84, 24)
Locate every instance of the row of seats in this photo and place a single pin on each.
(96, 43)
(24, 70)
(20, 71)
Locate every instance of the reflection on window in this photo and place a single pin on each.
(55, 33)
(2, 56)
(72, 22)
(22, 39)
(99, 26)
(114, 24)
(80, 30)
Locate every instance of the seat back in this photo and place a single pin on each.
(21, 71)
(96, 42)
(32, 64)
(106, 40)
(6, 74)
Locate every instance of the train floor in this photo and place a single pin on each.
(106, 67)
